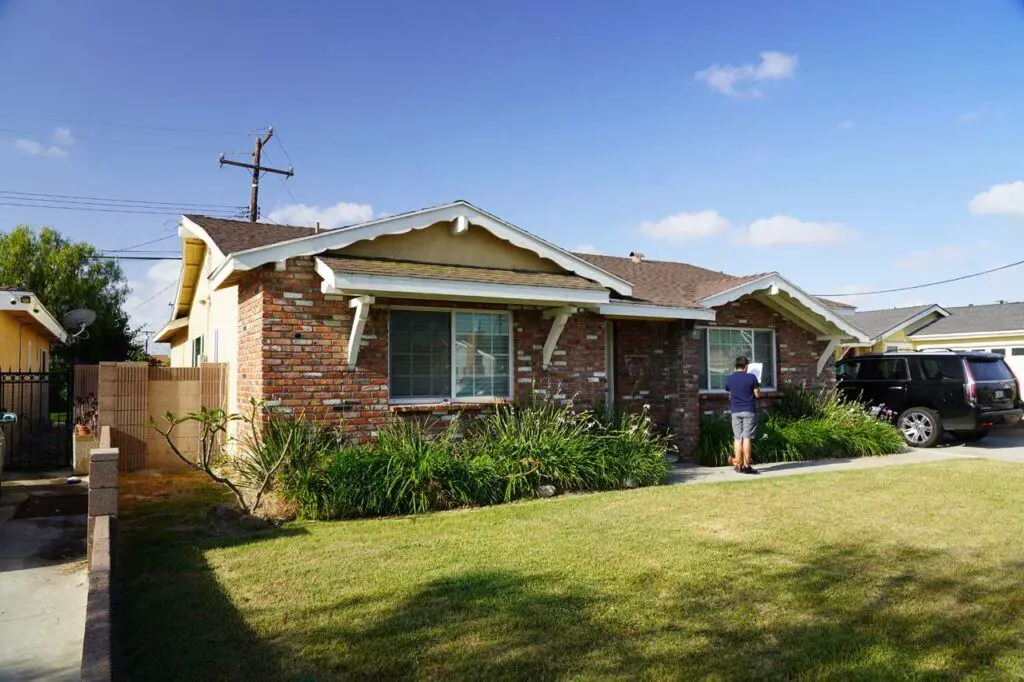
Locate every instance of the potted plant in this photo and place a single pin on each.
(86, 415)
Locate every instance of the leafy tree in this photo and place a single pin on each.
(67, 275)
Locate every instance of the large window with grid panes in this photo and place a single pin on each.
(449, 355)
(719, 347)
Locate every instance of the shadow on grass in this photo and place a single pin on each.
(832, 612)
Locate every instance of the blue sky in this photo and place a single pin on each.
(850, 146)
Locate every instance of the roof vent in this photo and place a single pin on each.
(637, 256)
(316, 228)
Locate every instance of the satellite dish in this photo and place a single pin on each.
(77, 320)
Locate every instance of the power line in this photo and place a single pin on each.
(929, 284)
(24, 195)
(135, 246)
(257, 171)
(145, 258)
(150, 299)
(110, 210)
(160, 129)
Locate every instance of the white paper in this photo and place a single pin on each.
(756, 368)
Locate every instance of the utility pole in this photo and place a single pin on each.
(254, 200)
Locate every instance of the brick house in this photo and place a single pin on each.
(451, 310)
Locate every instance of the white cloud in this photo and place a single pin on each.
(784, 230)
(685, 226)
(341, 213)
(1005, 199)
(969, 117)
(845, 126)
(62, 137)
(586, 248)
(148, 304)
(744, 81)
(930, 258)
(61, 140)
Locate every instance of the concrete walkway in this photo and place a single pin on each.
(1006, 447)
(43, 586)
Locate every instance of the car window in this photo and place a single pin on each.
(848, 369)
(889, 369)
(942, 368)
(989, 370)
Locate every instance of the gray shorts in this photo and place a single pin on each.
(743, 425)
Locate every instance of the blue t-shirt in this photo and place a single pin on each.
(740, 386)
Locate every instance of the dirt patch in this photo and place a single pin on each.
(36, 506)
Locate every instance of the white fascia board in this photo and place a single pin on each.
(419, 288)
(11, 300)
(655, 312)
(339, 238)
(774, 281)
(172, 326)
(916, 318)
(967, 335)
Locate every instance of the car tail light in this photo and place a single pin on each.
(972, 389)
(1016, 380)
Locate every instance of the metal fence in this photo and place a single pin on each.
(44, 403)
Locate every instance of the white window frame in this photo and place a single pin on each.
(452, 383)
(704, 390)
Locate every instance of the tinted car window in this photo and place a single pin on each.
(847, 370)
(889, 369)
(989, 370)
(942, 368)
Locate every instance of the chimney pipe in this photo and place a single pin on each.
(316, 229)
(637, 256)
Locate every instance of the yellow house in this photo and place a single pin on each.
(27, 332)
(891, 329)
(998, 328)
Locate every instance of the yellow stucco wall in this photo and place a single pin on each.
(214, 317)
(437, 244)
(26, 356)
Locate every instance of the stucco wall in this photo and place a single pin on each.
(25, 358)
(436, 244)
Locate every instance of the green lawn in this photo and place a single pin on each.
(914, 571)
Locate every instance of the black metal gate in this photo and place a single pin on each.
(42, 436)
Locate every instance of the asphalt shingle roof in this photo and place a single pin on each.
(877, 322)
(978, 318)
(667, 283)
(459, 273)
(231, 236)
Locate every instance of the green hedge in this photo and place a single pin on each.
(803, 425)
(508, 455)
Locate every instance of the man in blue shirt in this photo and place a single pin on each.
(743, 390)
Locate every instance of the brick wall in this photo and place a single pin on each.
(797, 350)
(656, 365)
(293, 344)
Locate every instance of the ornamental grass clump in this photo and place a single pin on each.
(418, 466)
(802, 425)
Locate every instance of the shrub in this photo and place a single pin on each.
(414, 467)
(802, 425)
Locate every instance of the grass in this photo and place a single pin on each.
(884, 573)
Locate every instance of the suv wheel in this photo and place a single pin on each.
(920, 427)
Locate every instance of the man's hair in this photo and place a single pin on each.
(741, 362)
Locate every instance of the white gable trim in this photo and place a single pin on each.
(420, 287)
(339, 238)
(775, 283)
(654, 312)
(11, 300)
(935, 308)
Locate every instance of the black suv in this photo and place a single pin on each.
(928, 392)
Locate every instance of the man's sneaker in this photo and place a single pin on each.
(750, 470)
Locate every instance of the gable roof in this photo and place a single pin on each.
(22, 303)
(301, 241)
(977, 319)
(880, 323)
(667, 283)
(231, 236)
(838, 305)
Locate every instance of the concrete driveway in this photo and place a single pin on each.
(1006, 446)
(43, 584)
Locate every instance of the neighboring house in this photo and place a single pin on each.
(27, 332)
(890, 329)
(998, 328)
(450, 310)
